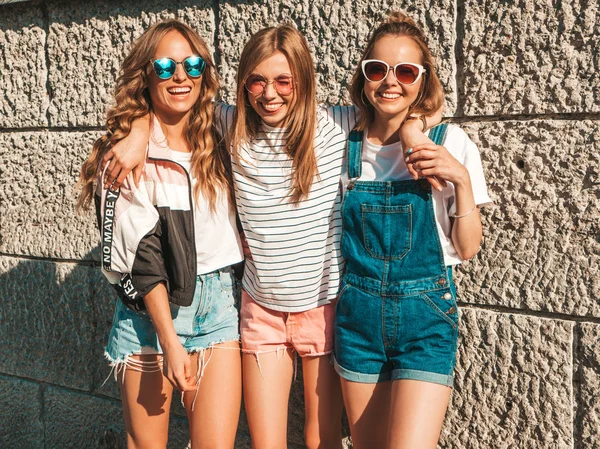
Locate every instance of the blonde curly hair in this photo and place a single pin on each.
(209, 163)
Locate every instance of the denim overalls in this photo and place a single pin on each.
(396, 316)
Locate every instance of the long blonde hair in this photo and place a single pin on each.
(431, 95)
(209, 163)
(302, 117)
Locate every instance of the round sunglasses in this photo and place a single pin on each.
(165, 67)
(256, 84)
(406, 73)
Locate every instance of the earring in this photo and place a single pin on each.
(362, 94)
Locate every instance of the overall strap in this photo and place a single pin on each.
(354, 148)
(354, 154)
(438, 133)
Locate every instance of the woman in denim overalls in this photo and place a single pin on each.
(397, 323)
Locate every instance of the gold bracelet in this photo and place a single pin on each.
(464, 215)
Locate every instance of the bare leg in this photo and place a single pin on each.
(368, 411)
(417, 414)
(146, 398)
(216, 406)
(323, 404)
(267, 385)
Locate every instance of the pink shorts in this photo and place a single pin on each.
(309, 333)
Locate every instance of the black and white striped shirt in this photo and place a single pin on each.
(297, 262)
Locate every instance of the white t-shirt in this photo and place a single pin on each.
(218, 243)
(386, 163)
(296, 259)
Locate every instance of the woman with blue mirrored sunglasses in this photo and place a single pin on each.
(176, 324)
(165, 68)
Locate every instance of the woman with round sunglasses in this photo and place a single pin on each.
(168, 246)
(396, 326)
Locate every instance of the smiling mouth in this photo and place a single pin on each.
(271, 107)
(389, 95)
(179, 90)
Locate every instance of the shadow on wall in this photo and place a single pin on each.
(57, 315)
(54, 323)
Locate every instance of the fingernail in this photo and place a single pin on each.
(439, 188)
(406, 159)
(410, 150)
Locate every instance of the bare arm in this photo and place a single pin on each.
(128, 154)
(412, 133)
(176, 363)
(435, 160)
(466, 227)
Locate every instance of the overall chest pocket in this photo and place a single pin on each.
(387, 230)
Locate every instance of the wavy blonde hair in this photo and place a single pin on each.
(209, 163)
(302, 117)
(431, 94)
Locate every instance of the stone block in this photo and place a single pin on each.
(541, 249)
(20, 414)
(51, 325)
(513, 383)
(23, 71)
(39, 172)
(76, 420)
(336, 33)
(529, 57)
(588, 371)
(86, 47)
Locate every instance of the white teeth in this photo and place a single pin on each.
(272, 107)
(179, 90)
(390, 96)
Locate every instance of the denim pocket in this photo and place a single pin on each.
(340, 294)
(387, 230)
(443, 303)
(206, 298)
(227, 280)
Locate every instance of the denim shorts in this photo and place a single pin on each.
(211, 319)
(383, 338)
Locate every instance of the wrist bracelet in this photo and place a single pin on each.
(465, 214)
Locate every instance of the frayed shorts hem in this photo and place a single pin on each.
(286, 347)
(397, 374)
(150, 350)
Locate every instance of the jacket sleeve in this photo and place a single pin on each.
(130, 242)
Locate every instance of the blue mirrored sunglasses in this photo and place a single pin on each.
(165, 67)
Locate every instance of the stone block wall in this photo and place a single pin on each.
(523, 79)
